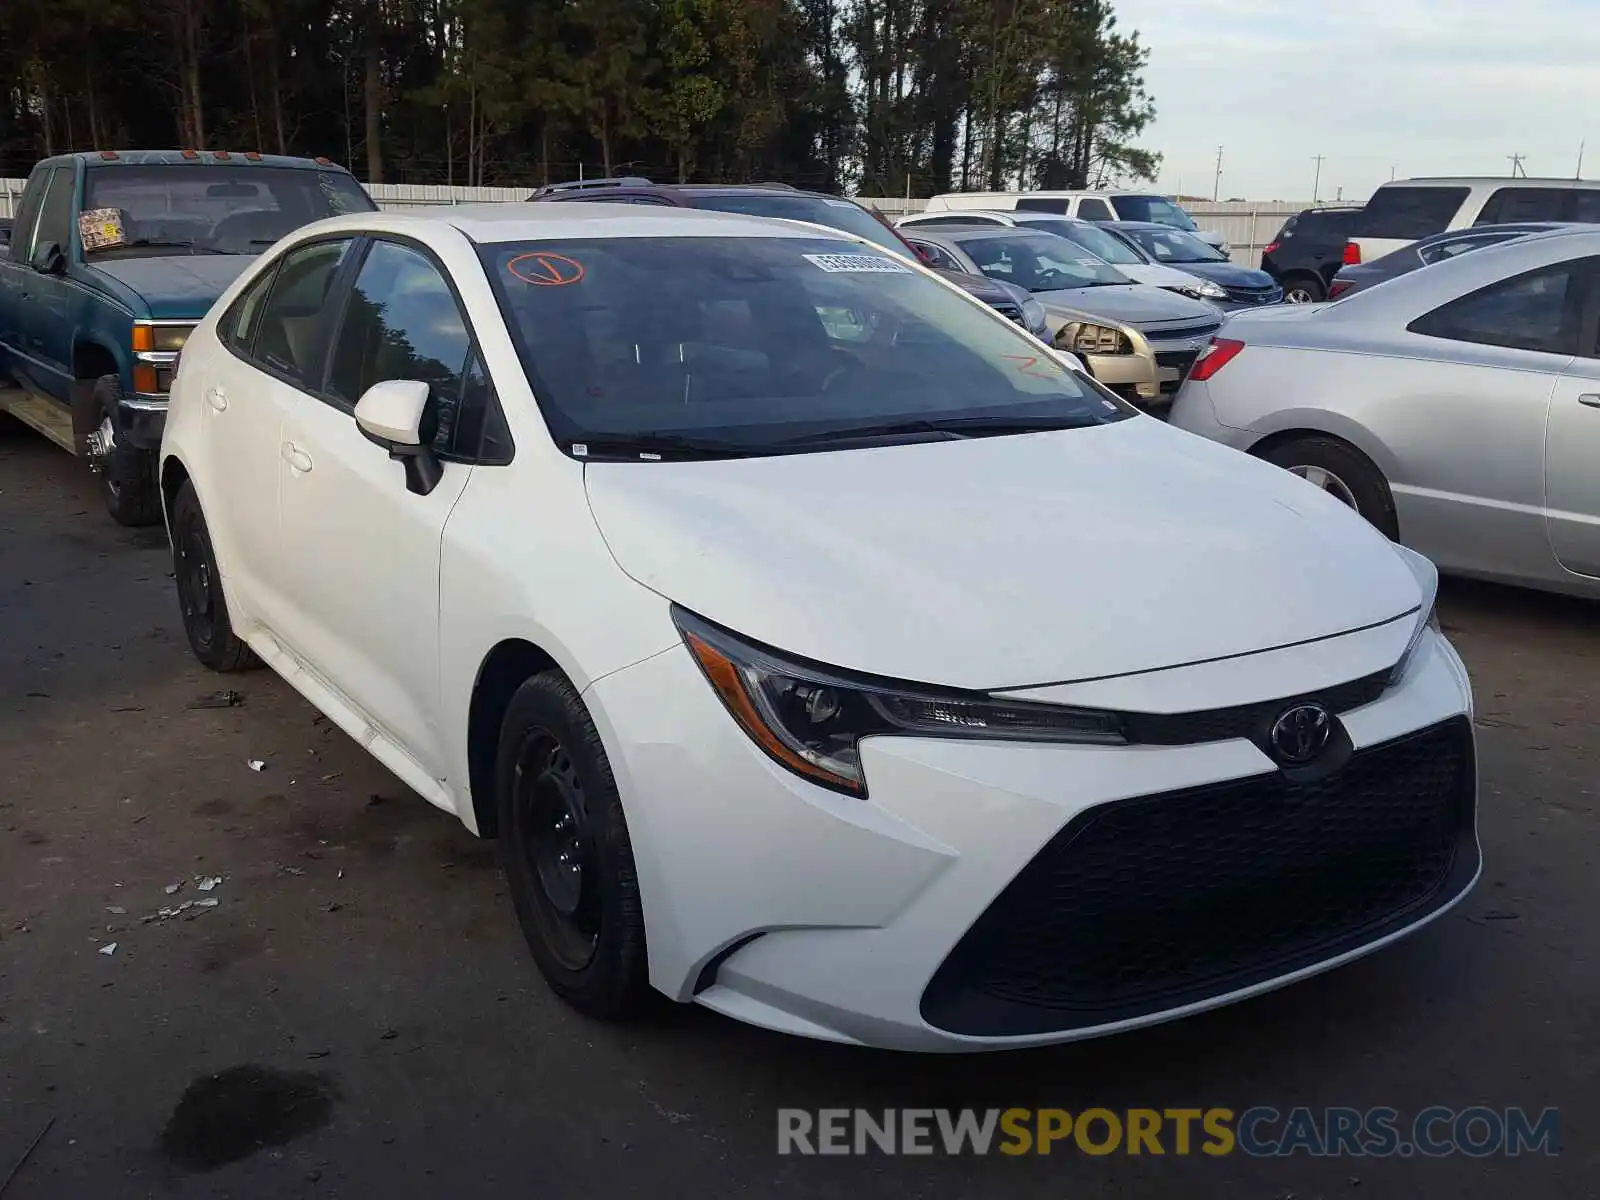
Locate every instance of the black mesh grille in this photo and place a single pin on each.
(1178, 360)
(1013, 311)
(1254, 295)
(1146, 905)
(1244, 720)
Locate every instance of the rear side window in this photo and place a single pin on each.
(1585, 206)
(1410, 212)
(293, 327)
(1319, 226)
(1523, 204)
(1043, 204)
(1091, 209)
(1440, 251)
(1539, 310)
(238, 327)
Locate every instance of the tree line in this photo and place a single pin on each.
(878, 97)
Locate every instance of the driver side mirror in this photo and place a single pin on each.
(390, 414)
(48, 259)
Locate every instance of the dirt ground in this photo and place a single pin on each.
(357, 1016)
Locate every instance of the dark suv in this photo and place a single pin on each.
(1308, 251)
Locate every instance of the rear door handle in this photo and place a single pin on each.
(218, 399)
(297, 458)
(1590, 399)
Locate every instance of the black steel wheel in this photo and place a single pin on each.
(566, 853)
(199, 585)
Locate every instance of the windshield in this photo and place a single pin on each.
(1153, 208)
(1173, 246)
(1038, 264)
(725, 346)
(819, 210)
(208, 209)
(1093, 239)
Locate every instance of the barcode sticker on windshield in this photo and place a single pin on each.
(836, 264)
(101, 227)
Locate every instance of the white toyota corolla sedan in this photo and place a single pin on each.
(820, 648)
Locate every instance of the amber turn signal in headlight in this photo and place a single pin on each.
(149, 337)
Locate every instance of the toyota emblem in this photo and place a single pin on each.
(1299, 735)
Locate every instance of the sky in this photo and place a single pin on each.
(1409, 87)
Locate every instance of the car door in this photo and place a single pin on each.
(361, 564)
(16, 278)
(274, 346)
(49, 321)
(1572, 451)
(36, 300)
(1466, 424)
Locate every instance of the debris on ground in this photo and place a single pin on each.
(172, 889)
(116, 910)
(329, 778)
(196, 907)
(127, 708)
(224, 699)
(109, 949)
(287, 870)
(26, 1154)
(206, 882)
(257, 764)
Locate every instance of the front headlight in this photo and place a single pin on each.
(811, 719)
(1082, 337)
(1427, 614)
(1033, 315)
(148, 336)
(1199, 290)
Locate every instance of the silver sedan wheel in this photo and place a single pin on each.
(1329, 482)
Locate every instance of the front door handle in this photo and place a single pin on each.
(297, 458)
(218, 399)
(1590, 399)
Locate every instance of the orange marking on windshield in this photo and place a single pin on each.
(544, 269)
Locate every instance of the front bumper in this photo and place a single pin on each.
(1133, 376)
(895, 921)
(141, 420)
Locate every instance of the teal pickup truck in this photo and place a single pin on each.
(112, 257)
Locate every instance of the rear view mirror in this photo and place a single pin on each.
(48, 259)
(391, 414)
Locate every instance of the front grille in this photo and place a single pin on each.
(1145, 905)
(1179, 361)
(1255, 295)
(1244, 720)
(1178, 333)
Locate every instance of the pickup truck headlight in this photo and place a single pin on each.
(811, 718)
(1083, 337)
(151, 337)
(1200, 289)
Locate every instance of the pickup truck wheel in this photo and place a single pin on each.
(205, 610)
(127, 476)
(565, 850)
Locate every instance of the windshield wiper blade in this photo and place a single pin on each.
(953, 427)
(163, 244)
(650, 446)
(850, 433)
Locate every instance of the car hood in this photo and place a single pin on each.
(1134, 303)
(990, 291)
(1004, 562)
(176, 286)
(1158, 275)
(1229, 274)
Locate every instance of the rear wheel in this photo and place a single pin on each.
(205, 611)
(1303, 289)
(127, 476)
(565, 849)
(1342, 471)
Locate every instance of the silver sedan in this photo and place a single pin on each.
(1457, 407)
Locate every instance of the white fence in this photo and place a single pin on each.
(1247, 225)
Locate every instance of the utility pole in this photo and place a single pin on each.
(1316, 181)
(1516, 166)
(1216, 182)
(1578, 174)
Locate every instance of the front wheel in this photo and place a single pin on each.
(127, 475)
(566, 853)
(1342, 471)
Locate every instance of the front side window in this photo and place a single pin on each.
(293, 329)
(1092, 209)
(205, 208)
(938, 256)
(1539, 310)
(55, 215)
(1409, 213)
(28, 213)
(1175, 246)
(1154, 209)
(402, 322)
(752, 345)
(1040, 264)
(1585, 206)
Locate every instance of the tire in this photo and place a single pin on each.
(566, 854)
(1342, 471)
(127, 476)
(1303, 289)
(199, 584)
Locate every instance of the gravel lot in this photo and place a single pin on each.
(363, 972)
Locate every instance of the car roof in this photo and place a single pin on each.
(980, 233)
(193, 158)
(1497, 181)
(515, 222)
(1156, 225)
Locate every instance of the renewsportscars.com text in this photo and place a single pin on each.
(1259, 1132)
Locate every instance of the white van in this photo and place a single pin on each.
(1086, 206)
(1411, 209)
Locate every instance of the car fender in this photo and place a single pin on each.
(1275, 426)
